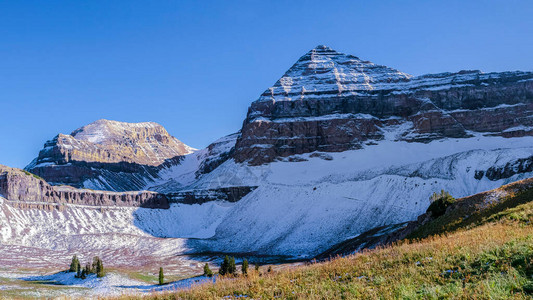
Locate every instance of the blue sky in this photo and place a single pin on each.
(194, 66)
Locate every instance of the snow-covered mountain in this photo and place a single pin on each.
(108, 155)
(329, 101)
(336, 147)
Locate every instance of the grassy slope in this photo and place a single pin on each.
(478, 209)
(486, 253)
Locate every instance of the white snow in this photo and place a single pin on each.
(113, 284)
(325, 73)
(298, 204)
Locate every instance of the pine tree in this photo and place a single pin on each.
(224, 266)
(94, 267)
(161, 276)
(257, 267)
(88, 269)
(100, 269)
(232, 269)
(74, 265)
(245, 267)
(207, 271)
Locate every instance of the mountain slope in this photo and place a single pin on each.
(298, 205)
(490, 261)
(512, 201)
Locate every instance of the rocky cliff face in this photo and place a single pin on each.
(26, 188)
(108, 155)
(329, 101)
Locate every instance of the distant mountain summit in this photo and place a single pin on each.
(324, 71)
(107, 153)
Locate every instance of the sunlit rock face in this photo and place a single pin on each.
(330, 101)
(108, 155)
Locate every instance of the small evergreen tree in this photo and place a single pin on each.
(207, 271)
(88, 269)
(245, 267)
(96, 267)
(74, 264)
(224, 267)
(232, 269)
(161, 276)
(257, 267)
(100, 269)
(269, 269)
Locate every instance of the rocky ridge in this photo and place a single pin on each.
(28, 189)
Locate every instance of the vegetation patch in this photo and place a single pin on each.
(473, 211)
(31, 174)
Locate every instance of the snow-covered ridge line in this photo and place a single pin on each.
(323, 73)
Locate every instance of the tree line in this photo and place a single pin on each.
(97, 267)
(227, 268)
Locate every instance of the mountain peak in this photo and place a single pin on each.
(322, 48)
(324, 71)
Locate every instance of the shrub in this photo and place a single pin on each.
(207, 271)
(439, 203)
(528, 287)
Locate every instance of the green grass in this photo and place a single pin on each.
(31, 174)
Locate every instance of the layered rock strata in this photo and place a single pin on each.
(329, 101)
(26, 188)
(108, 155)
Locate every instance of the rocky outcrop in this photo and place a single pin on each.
(108, 155)
(329, 101)
(230, 194)
(26, 188)
(519, 166)
(217, 153)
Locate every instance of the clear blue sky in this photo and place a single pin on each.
(194, 66)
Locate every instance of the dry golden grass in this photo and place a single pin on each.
(491, 257)
(464, 265)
